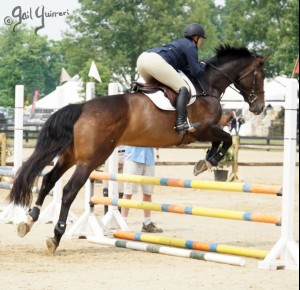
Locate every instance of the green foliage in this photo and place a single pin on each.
(28, 60)
(269, 27)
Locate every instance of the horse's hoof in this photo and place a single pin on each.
(51, 245)
(23, 229)
(201, 166)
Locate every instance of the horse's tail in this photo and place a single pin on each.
(55, 136)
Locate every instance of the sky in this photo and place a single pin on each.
(32, 11)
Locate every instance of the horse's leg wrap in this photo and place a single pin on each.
(34, 213)
(210, 153)
(60, 228)
(215, 159)
(32, 217)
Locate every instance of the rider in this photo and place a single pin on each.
(162, 64)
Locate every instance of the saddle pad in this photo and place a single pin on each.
(159, 99)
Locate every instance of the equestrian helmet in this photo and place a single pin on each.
(194, 29)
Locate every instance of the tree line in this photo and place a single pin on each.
(113, 33)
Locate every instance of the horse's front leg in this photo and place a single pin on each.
(216, 153)
(70, 191)
(204, 164)
(48, 183)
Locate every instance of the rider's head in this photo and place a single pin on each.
(194, 30)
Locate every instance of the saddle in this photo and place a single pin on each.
(153, 87)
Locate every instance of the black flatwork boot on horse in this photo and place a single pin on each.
(182, 126)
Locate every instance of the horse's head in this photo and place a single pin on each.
(240, 67)
(250, 83)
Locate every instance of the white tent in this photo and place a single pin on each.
(68, 93)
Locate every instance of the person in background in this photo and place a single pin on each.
(140, 161)
(241, 121)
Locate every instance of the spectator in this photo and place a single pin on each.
(241, 121)
(140, 161)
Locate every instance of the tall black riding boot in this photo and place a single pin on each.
(182, 100)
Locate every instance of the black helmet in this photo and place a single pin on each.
(194, 29)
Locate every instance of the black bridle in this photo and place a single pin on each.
(252, 95)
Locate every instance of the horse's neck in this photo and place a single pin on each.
(212, 86)
(216, 80)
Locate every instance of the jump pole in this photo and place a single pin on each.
(286, 247)
(187, 183)
(195, 245)
(189, 210)
(194, 254)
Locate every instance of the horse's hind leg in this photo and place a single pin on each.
(48, 183)
(70, 191)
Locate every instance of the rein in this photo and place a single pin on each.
(252, 94)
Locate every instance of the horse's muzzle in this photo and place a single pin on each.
(256, 108)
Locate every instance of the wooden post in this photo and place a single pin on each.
(235, 146)
(3, 149)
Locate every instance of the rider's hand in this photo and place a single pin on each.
(202, 66)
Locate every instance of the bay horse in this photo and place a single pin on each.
(86, 134)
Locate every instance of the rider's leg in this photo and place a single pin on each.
(151, 65)
(181, 103)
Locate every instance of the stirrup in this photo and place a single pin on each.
(186, 127)
(192, 126)
(182, 128)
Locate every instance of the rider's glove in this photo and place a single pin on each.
(202, 66)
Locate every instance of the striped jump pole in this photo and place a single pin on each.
(7, 171)
(8, 186)
(195, 245)
(212, 257)
(190, 210)
(187, 183)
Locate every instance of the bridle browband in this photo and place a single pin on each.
(252, 95)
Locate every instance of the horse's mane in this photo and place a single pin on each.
(226, 52)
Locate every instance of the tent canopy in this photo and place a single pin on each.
(67, 93)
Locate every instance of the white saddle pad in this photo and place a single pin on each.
(162, 102)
